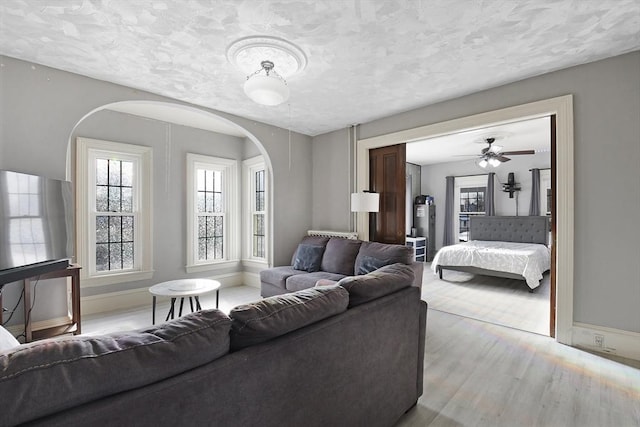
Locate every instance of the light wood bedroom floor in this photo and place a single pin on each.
(506, 302)
(482, 374)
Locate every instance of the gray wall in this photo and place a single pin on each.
(40, 106)
(433, 183)
(332, 181)
(607, 174)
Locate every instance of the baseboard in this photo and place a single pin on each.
(42, 324)
(251, 279)
(140, 297)
(614, 341)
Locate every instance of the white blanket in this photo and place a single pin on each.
(529, 260)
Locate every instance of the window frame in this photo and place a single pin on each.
(464, 182)
(250, 167)
(230, 199)
(88, 150)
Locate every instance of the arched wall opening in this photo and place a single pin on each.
(168, 123)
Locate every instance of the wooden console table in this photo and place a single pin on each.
(73, 326)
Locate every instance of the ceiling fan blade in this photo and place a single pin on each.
(503, 159)
(495, 148)
(517, 153)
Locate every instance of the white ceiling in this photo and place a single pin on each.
(367, 59)
(533, 134)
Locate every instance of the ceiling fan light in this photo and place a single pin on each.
(494, 162)
(483, 163)
(266, 90)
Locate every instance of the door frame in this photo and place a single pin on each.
(562, 108)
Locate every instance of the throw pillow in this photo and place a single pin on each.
(274, 316)
(7, 341)
(308, 258)
(384, 281)
(368, 264)
(382, 251)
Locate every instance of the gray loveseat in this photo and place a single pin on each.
(322, 258)
(340, 355)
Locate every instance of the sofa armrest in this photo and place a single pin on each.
(418, 268)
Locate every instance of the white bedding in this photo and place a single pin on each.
(529, 260)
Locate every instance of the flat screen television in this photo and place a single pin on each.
(36, 225)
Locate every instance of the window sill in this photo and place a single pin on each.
(198, 268)
(255, 263)
(110, 279)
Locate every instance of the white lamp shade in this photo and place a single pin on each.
(482, 163)
(494, 162)
(365, 202)
(266, 90)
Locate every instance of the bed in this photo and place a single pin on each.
(514, 247)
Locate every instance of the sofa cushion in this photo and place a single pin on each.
(380, 254)
(277, 276)
(51, 375)
(308, 257)
(340, 256)
(274, 316)
(305, 281)
(383, 281)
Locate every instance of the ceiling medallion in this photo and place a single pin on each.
(266, 61)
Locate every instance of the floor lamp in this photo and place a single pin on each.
(365, 201)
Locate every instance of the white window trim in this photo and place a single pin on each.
(86, 151)
(249, 167)
(232, 209)
(464, 182)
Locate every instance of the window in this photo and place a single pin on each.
(114, 204)
(255, 189)
(212, 210)
(545, 192)
(470, 192)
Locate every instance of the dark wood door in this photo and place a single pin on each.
(387, 176)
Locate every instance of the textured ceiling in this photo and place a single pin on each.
(366, 58)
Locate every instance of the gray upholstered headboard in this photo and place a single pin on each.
(521, 229)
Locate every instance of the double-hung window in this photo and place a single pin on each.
(212, 229)
(255, 190)
(113, 189)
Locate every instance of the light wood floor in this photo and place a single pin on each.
(483, 374)
(506, 302)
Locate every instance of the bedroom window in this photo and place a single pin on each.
(114, 203)
(211, 209)
(470, 193)
(255, 189)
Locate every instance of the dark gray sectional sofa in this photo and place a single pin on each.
(322, 258)
(333, 355)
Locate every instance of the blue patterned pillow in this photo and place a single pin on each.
(308, 258)
(368, 264)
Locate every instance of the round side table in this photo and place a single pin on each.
(183, 288)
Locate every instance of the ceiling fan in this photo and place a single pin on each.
(494, 156)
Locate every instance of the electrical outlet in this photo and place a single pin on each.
(598, 340)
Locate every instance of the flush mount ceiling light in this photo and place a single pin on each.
(274, 59)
